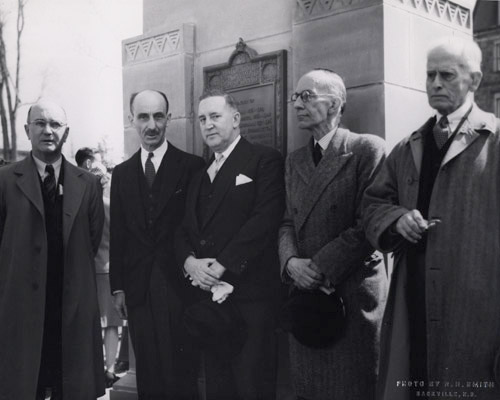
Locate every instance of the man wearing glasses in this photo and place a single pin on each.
(51, 218)
(322, 244)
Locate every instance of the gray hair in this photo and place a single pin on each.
(332, 83)
(467, 50)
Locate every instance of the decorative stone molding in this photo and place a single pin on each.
(444, 10)
(152, 46)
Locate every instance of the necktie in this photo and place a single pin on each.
(317, 155)
(149, 170)
(49, 183)
(218, 163)
(441, 131)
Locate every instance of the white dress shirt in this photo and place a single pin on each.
(325, 140)
(456, 116)
(157, 156)
(226, 153)
(40, 167)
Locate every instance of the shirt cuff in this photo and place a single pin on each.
(118, 291)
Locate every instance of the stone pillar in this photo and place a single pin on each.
(161, 59)
(379, 48)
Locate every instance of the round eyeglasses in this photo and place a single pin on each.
(54, 125)
(306, 95)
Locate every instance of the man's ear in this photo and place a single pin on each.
(65, 135)
(131, 118)
(88, 164)
(476, 80)
(27, 130)
(169, 116)
(236, 119)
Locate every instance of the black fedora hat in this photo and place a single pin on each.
(214, 327)
(314, 318)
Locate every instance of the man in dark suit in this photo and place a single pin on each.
(229, 234)
(322, 243)
(51, 218)
(148, 194)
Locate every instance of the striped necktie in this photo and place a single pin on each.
(49, 183)
(441, 132)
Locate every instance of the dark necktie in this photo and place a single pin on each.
(49, 183)
(149, 170)
(317, 155)
(441, 131)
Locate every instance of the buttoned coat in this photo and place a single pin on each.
(23, 270)
(462, 259)
(323, 222)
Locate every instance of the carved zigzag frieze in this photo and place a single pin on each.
(445, 10)
(152, 47)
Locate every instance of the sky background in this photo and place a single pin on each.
(71, 54)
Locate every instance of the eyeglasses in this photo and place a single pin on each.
(307, 95)
(54, 125)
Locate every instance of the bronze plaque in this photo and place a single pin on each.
(256, 105)
(258, 84)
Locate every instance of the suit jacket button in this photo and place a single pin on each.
(409, 181)
(35, 286)
(295, 211)
(203, 242)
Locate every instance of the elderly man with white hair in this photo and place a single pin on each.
(436, 204)
(323, 248)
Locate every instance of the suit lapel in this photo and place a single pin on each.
(335, 157)
(73, 190)
(170, 170)
(29, 182)
(132, 182)
(226, 177)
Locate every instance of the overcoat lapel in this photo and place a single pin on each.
(417, 142)
(335, 157)
(170, 172)
(29, 182)
(73, 189)
(226, 177)
(478, 122)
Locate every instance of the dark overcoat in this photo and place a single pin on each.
(462, 261)
(23, 270)
(323, 222)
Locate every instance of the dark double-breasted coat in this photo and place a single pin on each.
(323, 222)
(23, 271)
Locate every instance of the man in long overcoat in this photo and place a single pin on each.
(322, 241)
(51, 218)
(436, 204)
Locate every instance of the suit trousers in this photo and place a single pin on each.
(163, 364)
(251, 374)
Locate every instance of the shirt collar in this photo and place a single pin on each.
(40, 167)
(456, 116)
(325, 140)
(230, 149)
(158, 153)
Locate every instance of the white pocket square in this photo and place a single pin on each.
(241, 179)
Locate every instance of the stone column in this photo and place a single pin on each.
(379, 48)
(161, 59)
